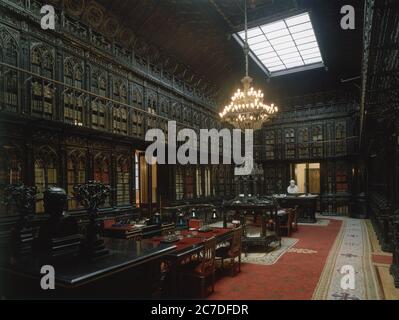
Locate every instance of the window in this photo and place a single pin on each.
(285, 44)
(76, 174)
(73, 99)
(152, 109)
(175, 111)
(330, 178)
(9, 82)
(341, 179)
(229, 179)
(270, 145)
(340, 137)
(42, 92)
(122, 181)
(179, 183)
(317, 144)
(289, 143)
(221, 183)
(102, 171)
(137, 116)
(119, 120)
(120, 112)
(189, 183)
(270, 180)
(137, 178)
(10, 173)
(98, 105)
(45, 173)
(198, 180)
(187, 115)
(303, 143)
(207, 182)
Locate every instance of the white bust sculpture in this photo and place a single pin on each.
(292, 188)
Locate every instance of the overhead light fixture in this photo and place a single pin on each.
(246, 109)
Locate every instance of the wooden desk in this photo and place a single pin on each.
(131, 270)
(187, 249)
(259, 206)
(307, 205)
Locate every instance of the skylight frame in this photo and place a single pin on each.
(283, 40)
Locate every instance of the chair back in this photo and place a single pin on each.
(235, 246)
(207, 257)
(108, 223)
(195, 223)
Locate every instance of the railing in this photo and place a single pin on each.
(137, 120)
(319, 149)
(86, 35)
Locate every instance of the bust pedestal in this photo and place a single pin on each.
(59, 236)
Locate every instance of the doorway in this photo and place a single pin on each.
(307, 177)
(146, 183)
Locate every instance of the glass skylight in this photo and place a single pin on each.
(285, 44)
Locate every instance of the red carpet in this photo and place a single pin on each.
(294, 276)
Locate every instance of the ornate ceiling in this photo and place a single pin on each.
(193, 38)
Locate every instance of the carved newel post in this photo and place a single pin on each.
(92, 195)
(395, 259)
(23, 197)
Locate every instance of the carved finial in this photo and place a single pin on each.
(24, 197)
(92, 195)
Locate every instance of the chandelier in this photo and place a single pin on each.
(246, 109)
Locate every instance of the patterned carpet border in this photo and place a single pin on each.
(349, 249)
(321, 290)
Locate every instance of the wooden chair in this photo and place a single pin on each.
(287, 225)
(232, 253)
(195, 223)
(203, 269)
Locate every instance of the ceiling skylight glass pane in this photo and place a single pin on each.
(292, 60)
(262, 51)
(301, 27)
(294, 64)
(270, 55)
(257, 39)
(297, 20)
(290, 55)
(254, 33)
(277, 68)
(306, 46)
(311, 56)
(303, 34)
(284, 44)
(314, 60)
(277, 34)
(305, 40)
(271, 60)
(260, 45)
(273, 26)
(310, 51)
(277, 41)
(286, 51)
(274, 64)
